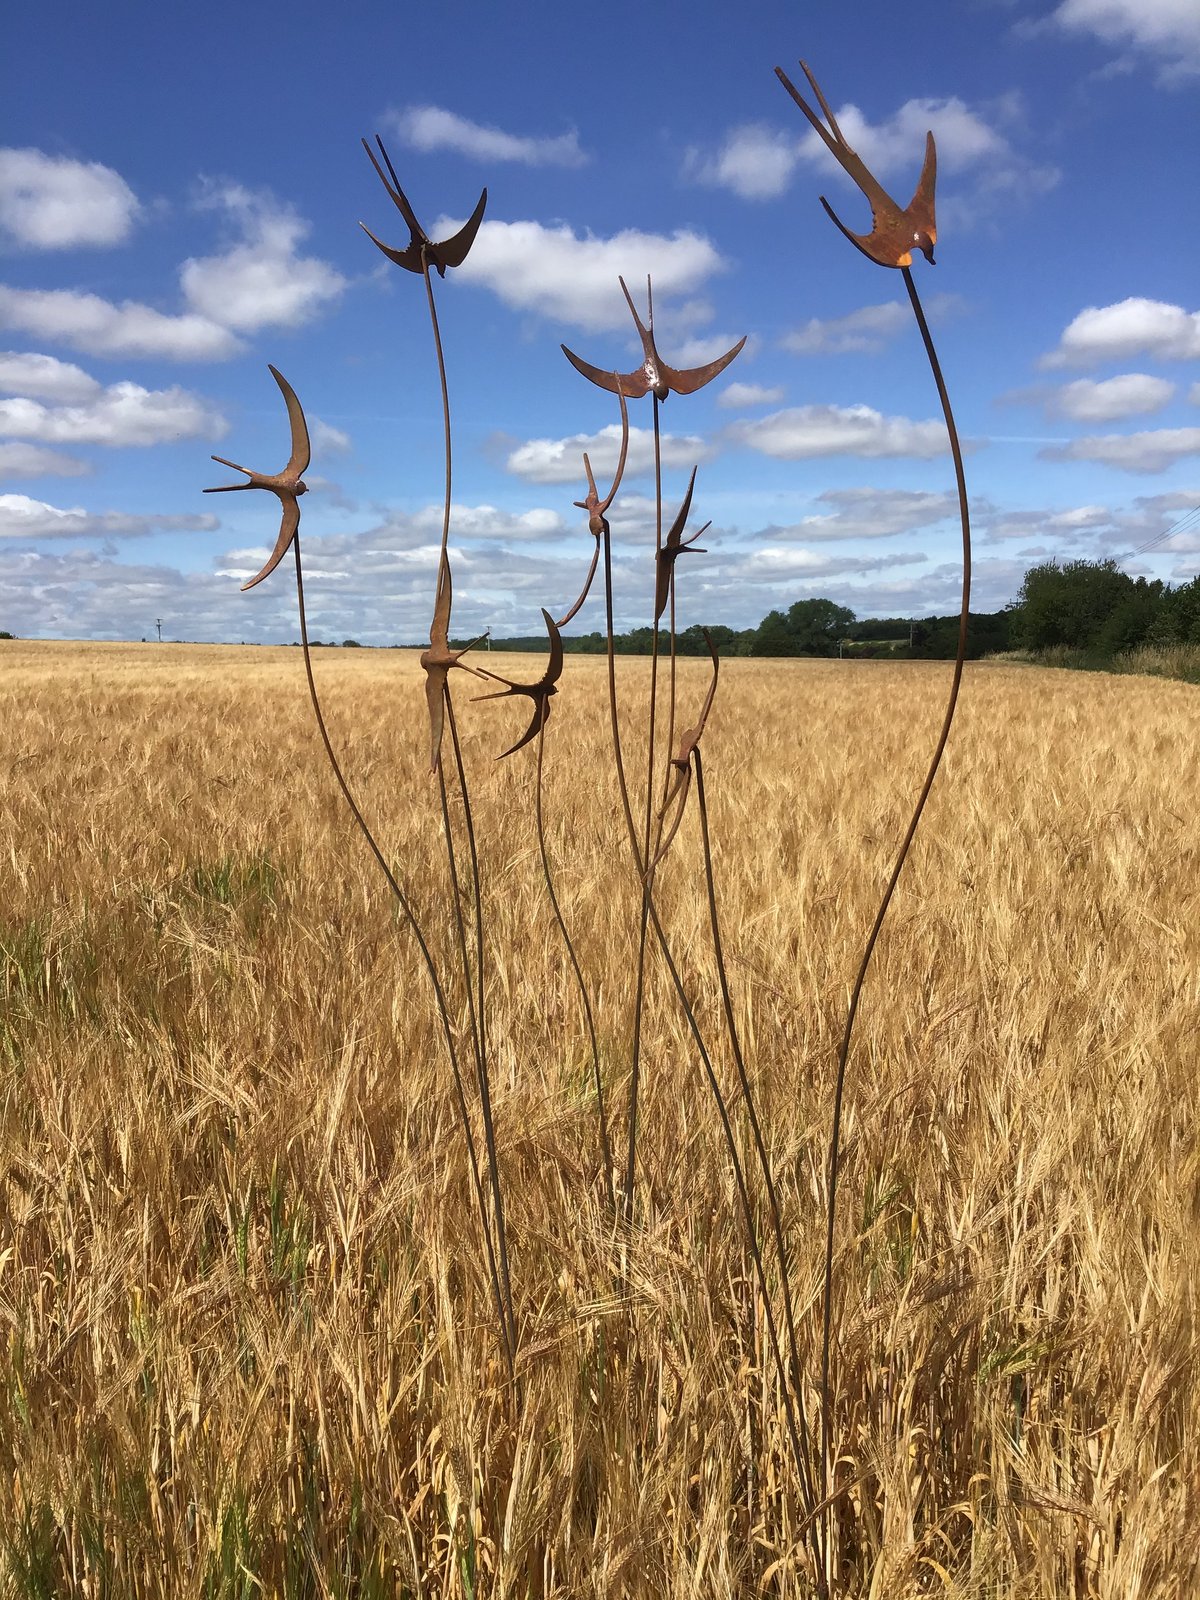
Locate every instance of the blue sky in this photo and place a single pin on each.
(180, 193)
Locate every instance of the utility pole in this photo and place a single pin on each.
(158, 625)
(487, 634)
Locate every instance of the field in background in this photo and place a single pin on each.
(245, 1338)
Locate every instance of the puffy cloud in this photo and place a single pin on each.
(32, 461)
(431, 128)
(260, 281)
(56, 203)
(44, 378)
(1130, 395)
(572, 278)
(868, 514)
(1153, 451)
(24, 518)
(1132, 327)
(97, 326)
(122, 414)
(561, 460)
(806, 432)
(1167, 30)
(755, 160)
(771, 563)
(749, 394)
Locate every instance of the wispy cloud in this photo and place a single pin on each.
(1152, 451)
(561, 460)
(1164, 31)
(19, 460)
(99, 327)
(808, 432)
(432, 128)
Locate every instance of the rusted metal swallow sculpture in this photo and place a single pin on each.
(689, 741)
(421, 250)
(894, 232)
(674, 547)
(596, 508)
(439, 659)
(654, 375)
(288, 484)
(539, 692)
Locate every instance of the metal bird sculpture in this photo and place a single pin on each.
(421, 250)
(288, 484)
(675, 546)
(438, 660)
(689, 741)
(596, 508)
(894, 232)
(654, 375)
(539, 692)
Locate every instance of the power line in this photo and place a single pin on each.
(1187, 521)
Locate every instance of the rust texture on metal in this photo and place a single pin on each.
(597, 508)
(288, 484)
(439, 659)
(894, 232)
(539, 692)
(654, 376)
(674, 547)
(689, 743)
(421, 249)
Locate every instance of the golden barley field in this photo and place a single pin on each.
(247, 1345)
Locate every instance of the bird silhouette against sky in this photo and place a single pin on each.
(596, 508)
(539, 692)
(674, 546)
(451, 252)
(288, 484)
(894, 232)
(654, 375)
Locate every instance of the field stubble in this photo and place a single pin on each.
(246, 1343)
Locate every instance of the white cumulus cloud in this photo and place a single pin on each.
(19, 460)
(123, 414)
(806, 432)
(260, 280)
(755, 160)
(1131, 394)
(97, 326)
(561, 460)
(432, 128)
(572, 278)
(44, 377)
(24, 518)
(1166, 30)
(1132, 327)
(1152, 451)
(56, 203)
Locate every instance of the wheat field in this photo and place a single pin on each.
(246, 1341)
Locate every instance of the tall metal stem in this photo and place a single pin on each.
(902, 856)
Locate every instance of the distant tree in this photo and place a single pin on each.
(1075, 604)
(351, 644)
(817, 625)
(774, 637)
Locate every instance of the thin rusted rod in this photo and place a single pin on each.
(640, 987)
(760, 1147)
(650, 913)
(485, 1092)
(902, 856)
(585, 998)
(426, 956)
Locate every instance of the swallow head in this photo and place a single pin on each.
(301, 487)
(924, 244)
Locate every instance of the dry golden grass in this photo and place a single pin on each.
(246, 1342)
